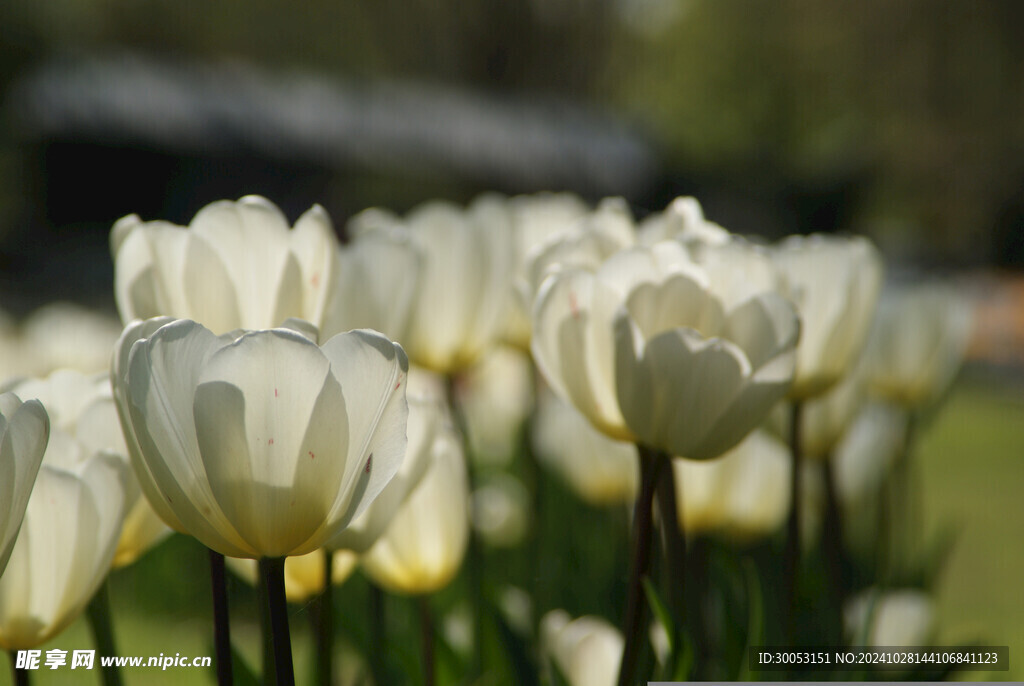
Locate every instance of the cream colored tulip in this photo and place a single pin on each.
(303, 574)
(64, 551)
(744, 494)
(64, 335)
(424, 544)
(462, 293)
(835, 283)
(903, 617)
(377, 276)
(500, 510)
(867, 451)
(598, 469)
(237, 265)
(917, 344)
(261, 443)
(496, 396)
(537, 221)
(587, 650)
(85, 422)
(24, 431)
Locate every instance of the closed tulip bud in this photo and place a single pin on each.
(64, 551)
(237, 265)
(587, 650)
(744, 494)
(601, 471)
(903, 617)
(260, 443)
(834, 283)
(468, 256)
(424, 544)
(84, 423)
(917, 344)
(24, 431)
(303, 574)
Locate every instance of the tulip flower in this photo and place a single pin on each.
(598, 469)
(587, 650)
(260, 443)
(468, 256)
(670, 367)
(64, 551)
(236, 265)
(901, 617)
(303, 574)
(500, 511)
(743, 495)
(24, 431)
(84, 422)
(835, 283)
(424, 544)
(917, 344)
(682, 220)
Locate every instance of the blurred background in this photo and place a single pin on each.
(898, 119)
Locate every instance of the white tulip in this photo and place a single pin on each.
(598, 469)
(237, 265)
(587, 650)
(424, 544)
(903, 617)
(260, 443)
(84, 422)
(24, 431)
(64, 551)
(917, 344)
(834, 282)
(468, 256)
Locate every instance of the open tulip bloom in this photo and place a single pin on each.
(260, 444)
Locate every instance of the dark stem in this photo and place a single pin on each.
(474, 552)
(426, 640)
(833, 542)
(221, 629)
(378, 637)
(792, 554)
(102, 628)
(323, 624)
(21, 676)
(272, 576)
(682, 593)
(266, 635)
(634, 625)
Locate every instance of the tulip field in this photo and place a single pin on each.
(529, 440)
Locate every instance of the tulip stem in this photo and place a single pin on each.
(792, 554)
(323, 624)
(21, 676)
(833, 541)
(272, 576)
(426, 639)
(221, 628)
(98, 613)
(682, 594)
(474, 553)
(640, 561)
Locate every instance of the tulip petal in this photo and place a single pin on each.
(270, 424)
(372, 371)
(163, 372)
(315, 246)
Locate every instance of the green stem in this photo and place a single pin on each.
(682, 593)
(102, 629)
(474, 552)
(323, 624)
(20, 676)
(221, 628)
(426, 640)
(272, 576)
(833, 543)
(633, 625)
(792, 553)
